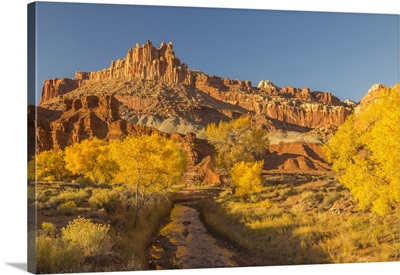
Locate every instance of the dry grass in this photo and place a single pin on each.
(59, 203)
(306, 222)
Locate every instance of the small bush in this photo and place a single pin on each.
(76, 196)
(48, 229)
(105, 199)
(55, 255)
(67, 208)
(93, 238)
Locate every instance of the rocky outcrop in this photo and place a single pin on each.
(296, 156)
(327, 98)
(39, 129)
(350, 103)
(55, 87)
(268, 86)
(194, 93)
(304, 94)
(151, 90)
(287, 109)
(209, 82)
(203, 174)
(148, 63)
(305, 114)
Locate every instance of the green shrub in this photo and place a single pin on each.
(93, 238)
(105, 199)
(67, 208)
(56, 255)
(76, 196)
(48, 229)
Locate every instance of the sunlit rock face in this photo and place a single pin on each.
(151, 90)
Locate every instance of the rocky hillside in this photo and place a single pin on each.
(152, 90)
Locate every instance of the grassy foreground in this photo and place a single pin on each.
(304, 219)
(66, 212)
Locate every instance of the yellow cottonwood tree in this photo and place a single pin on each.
(48, 165)
(236, 140)
(365, 151)
(149, 164)
(91, 159)
(246, 177)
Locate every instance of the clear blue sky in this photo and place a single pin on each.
(341, 53)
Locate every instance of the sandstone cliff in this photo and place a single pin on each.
(55, 87)
(151, 90)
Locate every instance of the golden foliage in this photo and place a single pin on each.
(93, 238)
(246, 177)
(48, 165)
(91, 159)
(148, 163)
(366, 153)
(236, 140)
(56, 255)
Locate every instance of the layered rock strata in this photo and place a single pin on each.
(151, 90)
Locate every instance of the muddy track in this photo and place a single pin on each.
(184, 242)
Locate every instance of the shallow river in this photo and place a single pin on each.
(185, 243)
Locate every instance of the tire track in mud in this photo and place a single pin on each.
(185, 243)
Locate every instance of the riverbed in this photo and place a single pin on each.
(185, 243)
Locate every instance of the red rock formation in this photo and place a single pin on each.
(153, 81)
(306, 114)
(210, 82)
(303, 94)
(290, 110)
(296, 156)
(325, 97)
(203, 173)
(149, 63)
(161, 65)
(55, 87)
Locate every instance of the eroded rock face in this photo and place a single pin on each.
(304, 94)
(151, 90)
(268, 85)
(296, 156)
(55, 87)
(148, 63)
(160, 65)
